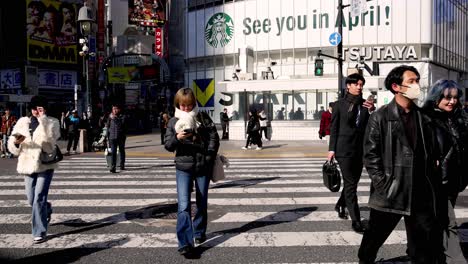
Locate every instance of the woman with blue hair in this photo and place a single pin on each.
(443, 104)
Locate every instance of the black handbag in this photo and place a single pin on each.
(51, 158)
(331, 176)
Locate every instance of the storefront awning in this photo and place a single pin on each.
(325, 84)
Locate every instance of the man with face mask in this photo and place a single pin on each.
(400, 157)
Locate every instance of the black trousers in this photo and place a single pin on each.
(423, 232)
(73, 138)
(120, 143)
(225, 126)
(163, 134)
(351, 169)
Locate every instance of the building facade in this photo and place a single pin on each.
(261, 54)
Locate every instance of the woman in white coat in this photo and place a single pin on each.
(31, 136)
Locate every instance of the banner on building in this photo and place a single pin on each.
(158, 42)
(51, 31)
(204, 90)
(121, 74)
(57, 79)
(150, 13)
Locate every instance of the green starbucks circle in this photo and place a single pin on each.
(219, 30)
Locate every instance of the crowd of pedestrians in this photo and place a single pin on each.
(416, 158)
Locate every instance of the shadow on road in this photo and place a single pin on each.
(71, 255)
(244, 183)
(220, 237)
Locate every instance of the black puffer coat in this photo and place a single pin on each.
(451, 130)
(195, 155)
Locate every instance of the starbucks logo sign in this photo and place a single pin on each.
(219, 30)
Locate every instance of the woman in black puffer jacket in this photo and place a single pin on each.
(451, 123)
(195, 140)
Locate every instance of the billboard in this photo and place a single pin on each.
(146, 12)
(299, 24)
(51, 31)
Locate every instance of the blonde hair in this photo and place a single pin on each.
(185, 96)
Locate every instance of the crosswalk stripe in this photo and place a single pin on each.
(228, 170)
(243, 190)
(98, 166)
(163, 240)
(267, 181)
(233, 217)
(229, 240)
(271, 162)
(213, 201)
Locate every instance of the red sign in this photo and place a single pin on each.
(158, 42)
(101, 27)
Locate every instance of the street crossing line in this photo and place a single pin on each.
(229, 240)
(212, 201)
(244, 177)
(234, 217)
(243, 190)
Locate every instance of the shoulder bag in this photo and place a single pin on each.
(52, 157)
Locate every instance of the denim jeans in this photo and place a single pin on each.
(37, 190)
(186, 230)
(114, 144)
(5, 145)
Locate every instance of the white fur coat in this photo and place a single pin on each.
(44, 138)
(187, 120)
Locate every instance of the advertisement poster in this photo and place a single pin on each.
(146, 12)
(51, 31)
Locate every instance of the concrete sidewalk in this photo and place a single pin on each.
(149, 145)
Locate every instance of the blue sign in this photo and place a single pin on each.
(335, 38)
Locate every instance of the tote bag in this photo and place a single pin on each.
(218, 168)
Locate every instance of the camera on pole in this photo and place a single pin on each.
(318, 67)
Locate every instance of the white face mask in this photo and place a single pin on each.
(412, 92)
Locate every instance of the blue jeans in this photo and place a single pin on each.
(186, 230)
(37, 190)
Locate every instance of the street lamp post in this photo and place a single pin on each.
(86, 21)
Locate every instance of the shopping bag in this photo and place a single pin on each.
(331, 176)
(218, 168)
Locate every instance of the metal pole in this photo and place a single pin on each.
(340, 49)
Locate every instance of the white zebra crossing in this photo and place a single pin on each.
(290, 182)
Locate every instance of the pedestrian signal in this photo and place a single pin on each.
(318, 67)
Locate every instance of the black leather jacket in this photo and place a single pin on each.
(194, 155)
(452, 138)
(388, 158)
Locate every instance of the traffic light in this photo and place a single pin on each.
(318, 67)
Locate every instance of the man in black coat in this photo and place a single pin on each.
(348, 124)
(400, 156)
(224, 118)
(117, 134)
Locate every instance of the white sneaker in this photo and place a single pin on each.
(73, 152)
(244, 148)
(3, 156)
(39, 239)
(258, 148)
(249, 147)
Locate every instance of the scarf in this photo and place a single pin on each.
(33, 125)
(355, 102)
(187, 120)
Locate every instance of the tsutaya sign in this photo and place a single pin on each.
(383, 52)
